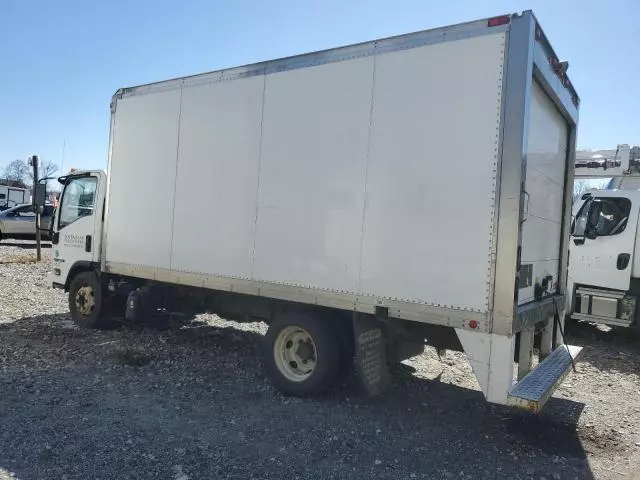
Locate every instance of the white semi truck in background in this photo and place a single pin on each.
(604, 262)
(302, 192)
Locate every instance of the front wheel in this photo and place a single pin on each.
(86, 299)
(301, 354)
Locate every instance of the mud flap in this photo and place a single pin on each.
(372, 368)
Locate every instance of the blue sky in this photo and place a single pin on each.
(60, 61)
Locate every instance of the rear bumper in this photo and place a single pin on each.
(531, 313)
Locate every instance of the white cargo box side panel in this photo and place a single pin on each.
(142, 179)
(544, 186)
(216, 187)
(313, 168)
(431, 188)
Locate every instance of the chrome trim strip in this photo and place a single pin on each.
(295, 293)
(375, 47)
(517, 98)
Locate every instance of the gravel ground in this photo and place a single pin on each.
(190, 401)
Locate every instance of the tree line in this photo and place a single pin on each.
(19, 174)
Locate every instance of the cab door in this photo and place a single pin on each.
(602, 252)
(78, 224)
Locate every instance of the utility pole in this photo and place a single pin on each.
(34, 161)
(64, 145)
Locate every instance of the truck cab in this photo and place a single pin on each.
(78, 225)
(604, 265)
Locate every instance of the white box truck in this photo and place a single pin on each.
(362, 201)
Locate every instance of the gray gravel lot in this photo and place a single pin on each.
(189, 401)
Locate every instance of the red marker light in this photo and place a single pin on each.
(497, 21)
(473, 324)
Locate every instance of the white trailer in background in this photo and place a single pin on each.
(12, 196)
(307, 192)
(604, 264)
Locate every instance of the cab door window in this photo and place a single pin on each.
(612, 217)
(78, 200)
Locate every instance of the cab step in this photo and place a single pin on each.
(616, 322)
(533, 391)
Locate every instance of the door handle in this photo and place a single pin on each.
(623, 261)
(87, 243)
(579, 240)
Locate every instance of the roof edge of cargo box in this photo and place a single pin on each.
(552, 56)
(329, 55)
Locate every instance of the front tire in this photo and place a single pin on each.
(301, 354)
(86, 299)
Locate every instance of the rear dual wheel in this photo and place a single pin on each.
(303, 353)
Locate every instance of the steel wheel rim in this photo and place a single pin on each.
(295, 353)
(85, 300)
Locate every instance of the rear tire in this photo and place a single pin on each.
(86, 300)
(301, 354)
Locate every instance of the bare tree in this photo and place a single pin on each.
(579, 187)
(582, 186)
(46, 169)
(17, 173)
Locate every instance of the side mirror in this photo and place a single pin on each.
(51, 224)
(594, 214)
(45, 229)
(591, 230)
(40, 195)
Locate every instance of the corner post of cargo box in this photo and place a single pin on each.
(563, 95)
(566, 286)
(105, 213)
(491, 354)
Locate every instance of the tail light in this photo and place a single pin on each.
(497, 21)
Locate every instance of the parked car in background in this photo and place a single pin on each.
(20, 221)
